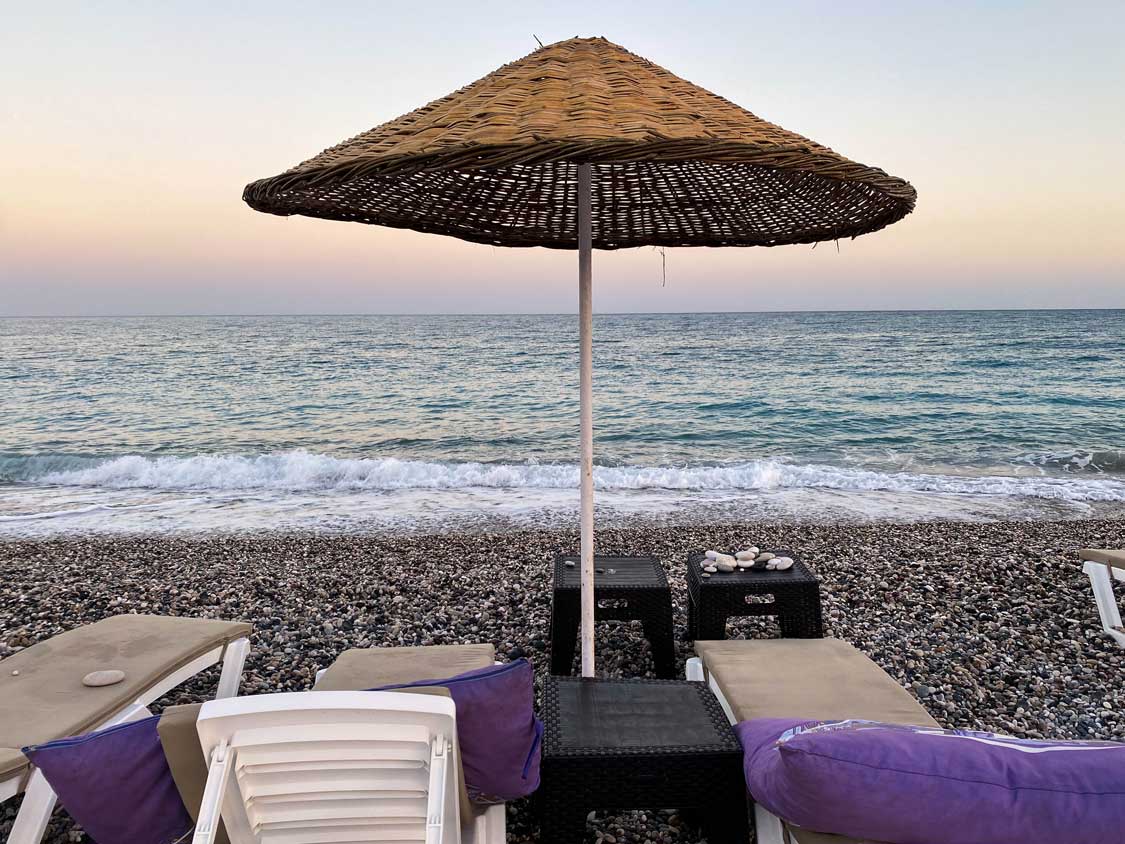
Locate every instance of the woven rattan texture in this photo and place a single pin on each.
(674, 165)
(628, 573)
(796, 599)
(639, 591)
(706, 777)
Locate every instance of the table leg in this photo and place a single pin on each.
(711, 624)
(562, 823)
(564, 634)
(661, 639)
(800, 617)
(728, 818)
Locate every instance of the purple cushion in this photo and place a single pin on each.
(496, 728)
(921, 785)
(116, 784)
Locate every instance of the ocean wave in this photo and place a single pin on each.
(1108, 460)
(299, 471)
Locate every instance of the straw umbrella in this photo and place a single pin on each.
(584, 145)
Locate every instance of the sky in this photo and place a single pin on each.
(128, 131)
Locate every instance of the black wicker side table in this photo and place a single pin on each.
(637, 744)
(792, 595)
(636, 588)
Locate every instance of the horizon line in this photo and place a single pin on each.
(574, 313)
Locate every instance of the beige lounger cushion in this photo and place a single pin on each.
(1105, 555)
(366, 668)
(46, 699)
(12, 763)
(180, 741)
(818, 679)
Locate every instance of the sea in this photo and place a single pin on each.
(186, 425)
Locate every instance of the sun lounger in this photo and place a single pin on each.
(346, 764)
(1103, 567)
(42, 695)
(818, 679)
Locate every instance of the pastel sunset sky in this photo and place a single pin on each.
(128, 131)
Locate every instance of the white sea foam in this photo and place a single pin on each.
(302, 471)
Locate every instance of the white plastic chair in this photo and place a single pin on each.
(321, 767)
(1103, 567)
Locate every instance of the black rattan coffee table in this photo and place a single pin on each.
(635, 588)
(793, 596)
(638, 744)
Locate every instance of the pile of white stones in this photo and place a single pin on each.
(751, 559)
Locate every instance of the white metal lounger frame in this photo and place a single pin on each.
(1102, 577)
(768, 828)
(323, 767)
(39, 798)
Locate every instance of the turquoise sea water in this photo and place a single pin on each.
(170, 424)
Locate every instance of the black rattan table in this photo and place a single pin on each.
(626, 588)
(638, 744)
(792, 595)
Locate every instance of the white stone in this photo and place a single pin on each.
(710, 569)
(106, 677)
(710, 555)
(726, 558)
(745, 564)
(765, 557)
(784, 563)
(744, 555)
(722, 565)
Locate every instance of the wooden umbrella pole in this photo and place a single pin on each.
(586, 402)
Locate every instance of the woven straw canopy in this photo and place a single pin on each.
(673, 164)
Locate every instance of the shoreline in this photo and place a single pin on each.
(991, 625)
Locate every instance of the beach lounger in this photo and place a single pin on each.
(818, 679)
(338, 764)
(42, 695)
(1103, 567)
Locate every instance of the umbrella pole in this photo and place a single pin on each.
(586, 329)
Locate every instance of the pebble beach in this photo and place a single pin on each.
(991, 625)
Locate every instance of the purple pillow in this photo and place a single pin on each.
(922, 785)
(496, 728)
(116, 784)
